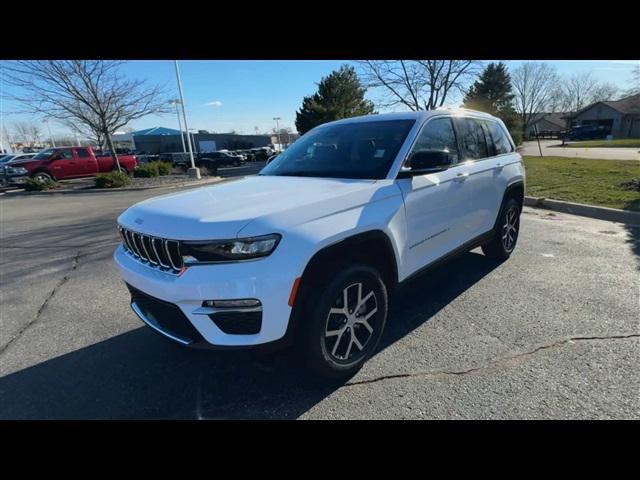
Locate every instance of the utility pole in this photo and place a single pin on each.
(193, 172)
(176, 102)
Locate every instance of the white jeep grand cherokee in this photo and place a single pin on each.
(308, 251)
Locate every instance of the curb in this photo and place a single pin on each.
(600, 213)
(116, 190)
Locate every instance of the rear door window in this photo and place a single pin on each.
(472, 139)
(82, 152)
(499, 138)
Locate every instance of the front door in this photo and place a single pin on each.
(64, 165)
(437, 205)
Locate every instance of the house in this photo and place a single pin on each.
(548, 124)
(620, 117)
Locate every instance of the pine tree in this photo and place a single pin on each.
(340, 95)
(492, 93)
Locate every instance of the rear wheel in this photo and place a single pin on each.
(506, 233)
(346, 321)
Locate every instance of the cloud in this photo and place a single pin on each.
(214, 104)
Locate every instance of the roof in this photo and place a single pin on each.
(626, 106)
(556, 118)
(422, 114)
(156, 131)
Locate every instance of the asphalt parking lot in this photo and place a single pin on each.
(552, 333)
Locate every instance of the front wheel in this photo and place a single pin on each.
(346, 320)
(506, 233)
(42, 177)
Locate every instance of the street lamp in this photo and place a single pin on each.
(176, 102)
(278, 131)
(53, 143)
(193, 171)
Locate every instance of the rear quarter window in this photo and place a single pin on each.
(499, 138)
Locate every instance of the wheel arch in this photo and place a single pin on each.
(514, 190)
(373, 247)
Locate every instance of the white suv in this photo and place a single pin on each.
(308, 250)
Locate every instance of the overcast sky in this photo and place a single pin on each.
(241, 95)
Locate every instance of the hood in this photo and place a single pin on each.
(221, 211)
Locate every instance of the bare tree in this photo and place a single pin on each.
(578, 90)
(418, 84)
(604, 91)
(534, 86)
(90, 94)
(28, 132)
(635, 81)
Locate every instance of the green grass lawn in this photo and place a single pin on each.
(582, 180)
(620, 143)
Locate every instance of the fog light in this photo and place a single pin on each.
(240, 303)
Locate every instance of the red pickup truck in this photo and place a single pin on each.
(72, 162)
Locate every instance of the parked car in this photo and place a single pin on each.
(71, 162)
(15, 156)
(309, 250)
(261, 154)
(587, 132)
(223, 158)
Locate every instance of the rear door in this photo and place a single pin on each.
(485, 160)
(87, 165)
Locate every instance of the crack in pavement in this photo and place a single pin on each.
(493, 364)
(74, 265)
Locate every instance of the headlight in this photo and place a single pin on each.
(15, 170)
(229, 250)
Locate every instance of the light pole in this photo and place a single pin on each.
(53, 143)
(193, 139)
(176, 102)
(193, 171)
(278, 132)
(77, 139)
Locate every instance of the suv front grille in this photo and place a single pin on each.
(156, 252)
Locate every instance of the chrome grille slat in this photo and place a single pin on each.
(166, 249)
(153, 245)
(152, 250)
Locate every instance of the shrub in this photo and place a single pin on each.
(33, 185)
(113, 179)
(633, 184)
(147, 170)
(164, 168)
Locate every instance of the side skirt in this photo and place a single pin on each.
(462, 249)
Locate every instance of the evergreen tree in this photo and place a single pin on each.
(492, 93)
(340, 95)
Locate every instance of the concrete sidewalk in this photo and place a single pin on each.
(554, 148)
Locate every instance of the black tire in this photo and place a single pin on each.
(42, 177)
(322, 352)
(505, 235)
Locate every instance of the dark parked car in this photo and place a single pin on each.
(587, 132)
(223, 159)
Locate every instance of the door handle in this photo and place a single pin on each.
(499, 166)
(461, 177)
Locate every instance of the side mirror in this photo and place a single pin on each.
(426, 161)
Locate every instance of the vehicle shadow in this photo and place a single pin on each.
(633, 238)
(138, 375)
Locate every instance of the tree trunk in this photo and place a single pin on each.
(112, 149)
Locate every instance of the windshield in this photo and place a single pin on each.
(347, 150)
(6, 158)
(43, 155)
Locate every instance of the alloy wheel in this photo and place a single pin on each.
(349, 325)
(510, 229)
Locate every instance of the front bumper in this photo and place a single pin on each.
(260, 279)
